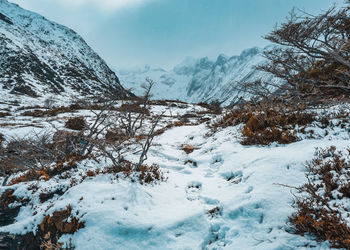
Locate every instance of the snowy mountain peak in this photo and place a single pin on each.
(222, 59)
(196, 80)
(251, 52)
(40, 56)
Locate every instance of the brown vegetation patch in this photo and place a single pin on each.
(47, 173)
(174, 103)
(187, 148)
(7, 198)
(133, 108)
(67, 143)
(215, 212)
(178, 124)
(193, 163)
(212, 107)
(9, 213)
(2, 139)
(111, 136)
(50, 112)
(4, 114)
(61, 222)
(144, 175)
(321, 212)
(264, 125)
(49, 231)
(36, 153)
(150, 174)
(76, 123)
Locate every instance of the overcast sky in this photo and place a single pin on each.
(161, 33)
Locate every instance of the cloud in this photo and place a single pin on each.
(103, 5)
(106, 5)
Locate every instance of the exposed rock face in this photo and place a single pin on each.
(38, 56)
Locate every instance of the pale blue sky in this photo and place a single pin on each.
(132, 33)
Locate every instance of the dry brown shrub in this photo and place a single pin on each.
(4, 114)
(10, 206)
(212, 107)
(111, 136)
(150, 174)
(264, 123)
(215, 212)
(133, 108)
(321, 212)
(66, 143)
(178, 124)
(34, 154)
(191, 162)
(50, 112)
(22, 154)
(58, 223)
(187, 148)
(46, 173)
(76, 123)
(53, 227)
(144, 175)
(2, 139)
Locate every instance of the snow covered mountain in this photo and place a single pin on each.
(38, 56)
(196, 80)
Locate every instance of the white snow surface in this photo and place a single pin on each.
(241, 182)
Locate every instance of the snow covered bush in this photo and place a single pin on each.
(323, 210)
(125, 169)
(264, 123)
(54, 226)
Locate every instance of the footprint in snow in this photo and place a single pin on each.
(193, 190)
(233, 177)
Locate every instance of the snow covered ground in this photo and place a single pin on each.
(221, 196)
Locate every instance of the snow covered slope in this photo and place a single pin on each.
(196, 80)
(228, 200)
(38, 56)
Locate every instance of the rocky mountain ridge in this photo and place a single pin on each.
(38, 56)
(197, 80)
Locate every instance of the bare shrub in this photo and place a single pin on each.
(131, 117)
(313, 54)
(76, 123)
(34, 154)
(67, 143)
(48, 172)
